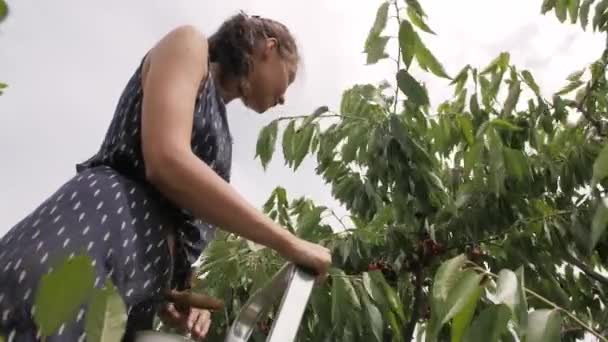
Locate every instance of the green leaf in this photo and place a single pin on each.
(418, 20)
(486, 98)
(350, 290)
(467, 129)
(474, 106)
(598, 225)
(61, 292)
(497, 163)
(504, 124)
(531, 82)
(543, 326)
(600, 166)
(412, 89)
(462, 320)
(510, 291)
(372, 314)
(512, 98)
(381, 19)
(375, 44)
(458, 105)
(308, 222)
(407, 42)
(561, 8)
(501, 61)
(106, 316)
(584, 13)
(489, 325)
(576, 76)
(416, 6)
(3, 10)
(386, 291)
(266, 142)
(570, 87)
(447, 276)
(317, 113)
(516, 162)
(344, 290)
(338, 296)
(467, 286)
(375, 288)
(598, 17)
(461, 79)
(427, 60)
(302, 143)
(472, 156)
(450, 296)
(573, 8)
(376, 49)
(547, 6)
(288, 144)
(521, 311)
(3, 85)
(395, 327)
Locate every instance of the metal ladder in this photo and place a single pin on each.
(292, 285)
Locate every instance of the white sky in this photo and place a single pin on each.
(67, 61)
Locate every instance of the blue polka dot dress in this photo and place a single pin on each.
(109, 210)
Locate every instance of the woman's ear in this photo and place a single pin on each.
(271, 44)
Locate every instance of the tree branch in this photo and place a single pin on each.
(591, 273)
(477, 242)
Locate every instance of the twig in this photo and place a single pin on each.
(333, 213)
(490, 239)
(346, 276)
(342, 116)
(548, 302)
(306, 116)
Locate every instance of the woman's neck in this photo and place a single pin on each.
(228, 88)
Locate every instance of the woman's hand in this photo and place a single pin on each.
(195, 322)
(310, 255)
(189, 311)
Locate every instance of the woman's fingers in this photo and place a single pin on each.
(202, 324)
(206, 325)
(170, 312)
(192, 319)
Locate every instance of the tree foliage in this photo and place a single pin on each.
(479, 218)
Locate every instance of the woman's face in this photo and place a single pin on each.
(270, 77)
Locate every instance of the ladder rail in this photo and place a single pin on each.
(292, 285)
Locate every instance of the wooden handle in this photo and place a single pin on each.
(184, 300)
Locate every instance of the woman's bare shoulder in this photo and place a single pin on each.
(184, 43)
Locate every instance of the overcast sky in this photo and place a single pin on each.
(67, 61)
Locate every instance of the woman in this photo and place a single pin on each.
(163, 168)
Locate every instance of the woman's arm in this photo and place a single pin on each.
(172, 74)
